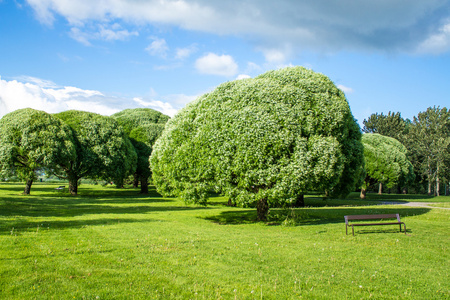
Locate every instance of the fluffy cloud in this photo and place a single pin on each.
(223, 65)
(438, 42)
(329, 25)
(104, 32)
(158, 47)
(183, 53)
(47, 96)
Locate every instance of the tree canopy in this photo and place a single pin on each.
(263, 141)
(392, 125)
(143, 126)
(103, 149)
(386, 162)
(429, 143)
(32, 140)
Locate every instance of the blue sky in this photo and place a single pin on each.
(105, 56)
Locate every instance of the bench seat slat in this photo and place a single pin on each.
(369, 224)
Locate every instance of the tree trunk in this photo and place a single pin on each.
(230, 202)
(437, 180)
(28, 187)
(380, 189)
(73, 184)
(300, 201)
(363, 193)
(144, 185)
(429, 177)
(262, 209)
(429, 187)
(405, 190)
(135, 180)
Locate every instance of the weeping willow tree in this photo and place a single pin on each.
(262, 142)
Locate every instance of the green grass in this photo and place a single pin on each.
(117, 244)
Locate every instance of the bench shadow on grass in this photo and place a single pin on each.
(307, 216)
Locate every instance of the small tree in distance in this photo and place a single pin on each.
(262, 142)
(143, 126)
(386, 162)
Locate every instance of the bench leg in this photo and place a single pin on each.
(353, 230)
(346, 226)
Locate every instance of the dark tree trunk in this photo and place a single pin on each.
(135, 180)
(73, 184)
(230, 202)
(119, 183)
(28, 187)
(363, 193)
(144, 185)
(262, 209)
(300, 201)
(437, 181)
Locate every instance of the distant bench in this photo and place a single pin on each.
(373, 217)
(61, 188)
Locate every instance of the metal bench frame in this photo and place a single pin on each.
(373, 217)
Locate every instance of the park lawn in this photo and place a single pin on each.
(117, 244)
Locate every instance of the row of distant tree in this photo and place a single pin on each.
(427, 139)
(76, 144)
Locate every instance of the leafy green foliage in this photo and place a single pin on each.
(429, 144)
(103, 149)
(392, 125)
(273, 137)
(386, 161)
(32, 140)
(143, 126)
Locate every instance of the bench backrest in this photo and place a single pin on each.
(372, 217)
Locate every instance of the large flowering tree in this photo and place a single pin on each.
(33, 140)
(103, 150)
(264, 141)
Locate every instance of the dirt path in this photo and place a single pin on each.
(415, 204)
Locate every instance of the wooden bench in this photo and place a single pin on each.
(373, 217)
(61, 188)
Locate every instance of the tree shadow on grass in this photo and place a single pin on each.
(308, 216)
(19, 226)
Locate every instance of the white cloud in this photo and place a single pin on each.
(183, 53)
(115, 33)
(158, 47)
(345, 89)
(437, 43)
(243, 76)
(328, 25)
(223, 65)
(164, 107)
(105, 32)
(45, 95)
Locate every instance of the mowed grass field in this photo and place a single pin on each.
(109, 243)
